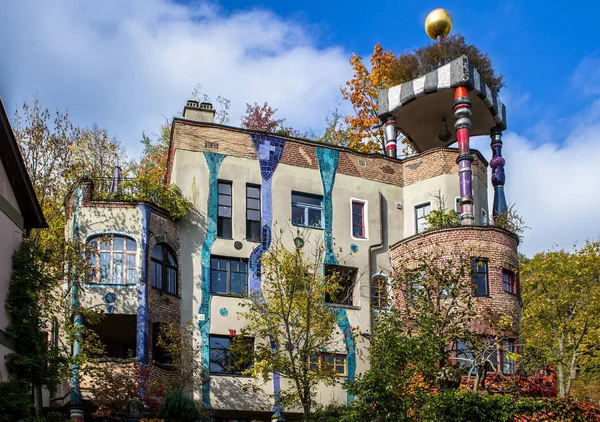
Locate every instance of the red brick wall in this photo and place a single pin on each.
(496, 245)
(237, 142)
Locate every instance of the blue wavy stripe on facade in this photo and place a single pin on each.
(213, 162)
(78, 318)
(328, 163)
(268, 151)
(142, 312)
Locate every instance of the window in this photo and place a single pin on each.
(228, 276)
(414, 285)
(358, 220)
(345, 277)
(479, 276)
(464, 357)
(253, 228)
(457, 206)
(159, 354)
(484, 219)
(224, 214)
(163, 272)
(508, 282)
(420, 212)
(509, 346)
(112, 259)
(379, 292)
(224, 360)
(307, 210)
(330, 361)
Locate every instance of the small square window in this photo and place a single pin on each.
(346, 277)
(228, 276)
(225, 361)
(307, 210)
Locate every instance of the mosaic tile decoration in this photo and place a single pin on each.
(213, 162)
(328, 163)
(268, 151)
(76, 398)
(142, 313)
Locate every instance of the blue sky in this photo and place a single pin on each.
(129, 64)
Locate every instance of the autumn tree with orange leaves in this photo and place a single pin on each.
(387, 70)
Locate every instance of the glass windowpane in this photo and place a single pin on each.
(131, 261)
(224, 211)
(104, 267)
(253, 204)
(131, 276)
(357, 208)
(218, 281)
(118, 268)
(297, 215)
(238, 283)
(307, 199)
(130, 245)
(253, 215)
(105, 245)
(314, 218)
(157, 253)
(224, 188)
(225, 200)
(118, 243)
(253, 192)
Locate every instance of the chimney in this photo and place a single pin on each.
(199, 112)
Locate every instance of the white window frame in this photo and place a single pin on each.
(417, 206)
(365, 219)
(306, 208)
(390, 292)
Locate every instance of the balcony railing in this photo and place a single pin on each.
(139, 190)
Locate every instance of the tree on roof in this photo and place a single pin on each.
(388, 69)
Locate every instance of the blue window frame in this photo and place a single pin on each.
(307, 210)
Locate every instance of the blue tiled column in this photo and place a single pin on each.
(268, 151)
(213, 162)
(328, 162)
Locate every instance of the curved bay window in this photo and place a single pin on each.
(164, 269)
(113, 259)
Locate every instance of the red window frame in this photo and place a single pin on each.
(509, 286)
(362, 234)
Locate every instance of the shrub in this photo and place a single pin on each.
(179, 407)
(15, 401)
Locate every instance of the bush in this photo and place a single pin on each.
(469, 406)
(179, 407)
(15, 401)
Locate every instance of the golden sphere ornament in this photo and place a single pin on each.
(438, 23)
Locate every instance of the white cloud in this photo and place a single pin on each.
(125, 64)
(586, 78)
(555, 187)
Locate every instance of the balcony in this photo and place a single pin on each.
(130, 190)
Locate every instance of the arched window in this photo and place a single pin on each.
(164, 269)
(379, 292)
(112, 259)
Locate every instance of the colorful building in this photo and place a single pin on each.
(246, 185)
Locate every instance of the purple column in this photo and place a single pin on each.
(498, 177)
(462, 113)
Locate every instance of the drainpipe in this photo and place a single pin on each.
(371, 249)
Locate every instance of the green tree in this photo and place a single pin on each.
(388, 69)
(401, 376)
(31, 285)
(441, 217)
(435, 294)
(292, 314)
(561, 303)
